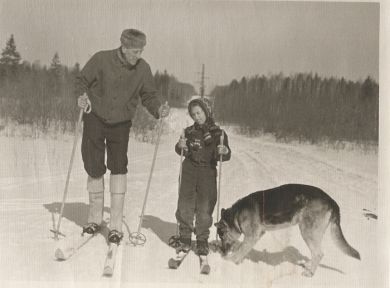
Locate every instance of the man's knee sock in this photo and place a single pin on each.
(118, 187)
(95, 187)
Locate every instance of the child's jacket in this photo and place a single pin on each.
(203, 152)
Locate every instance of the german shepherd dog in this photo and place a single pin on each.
(309, 207)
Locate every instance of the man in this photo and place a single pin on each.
(110, 84)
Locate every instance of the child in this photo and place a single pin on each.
(198, 191)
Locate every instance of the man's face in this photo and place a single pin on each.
(132, 54)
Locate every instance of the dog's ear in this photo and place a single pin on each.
(223, 211)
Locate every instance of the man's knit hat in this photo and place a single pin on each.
(132, 38)
(203, 103)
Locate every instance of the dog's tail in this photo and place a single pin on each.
(337, 234)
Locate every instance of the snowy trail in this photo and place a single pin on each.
(30, 203)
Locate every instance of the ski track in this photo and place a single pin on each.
(255, 165)
(297, 164)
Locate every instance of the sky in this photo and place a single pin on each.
(232, 38)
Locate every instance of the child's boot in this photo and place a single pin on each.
(202, 247)
(184, 244)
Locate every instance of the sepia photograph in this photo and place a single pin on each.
(178, 143)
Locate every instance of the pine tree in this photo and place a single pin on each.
(10, 56)
(76, 68)
(9, 61)
(57, 75)
(55, 66)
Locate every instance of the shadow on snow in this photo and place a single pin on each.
(78, 213)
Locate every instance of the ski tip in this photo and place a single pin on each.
(108, 272)
(59, 255)
(173, 264)
(204, 265)
(205, 270)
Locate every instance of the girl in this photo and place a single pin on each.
(198, 191)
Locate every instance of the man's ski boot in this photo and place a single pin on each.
(115, 237)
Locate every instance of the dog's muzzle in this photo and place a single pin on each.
(225, 245)
(225, 248)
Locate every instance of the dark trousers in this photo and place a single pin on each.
(197, 197)
(97, 136)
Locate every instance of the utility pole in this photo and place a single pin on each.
(202, 84)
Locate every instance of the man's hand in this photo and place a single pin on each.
(222, 150)
(163, 111)
(84, 103)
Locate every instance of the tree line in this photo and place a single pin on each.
(302, 106)
(34, 93)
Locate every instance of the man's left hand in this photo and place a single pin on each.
(163, 111)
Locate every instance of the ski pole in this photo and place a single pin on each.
(219, 182)
(174, 240)
(180, 175)
(76, 137)
(137, 238)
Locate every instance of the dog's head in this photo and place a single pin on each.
(227, 230)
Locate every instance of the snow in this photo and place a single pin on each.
(32, 179)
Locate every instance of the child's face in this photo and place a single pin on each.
(198, 115)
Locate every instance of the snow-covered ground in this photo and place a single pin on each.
(32, 178)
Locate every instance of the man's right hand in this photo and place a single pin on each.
(84, 103)
(182, 144)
